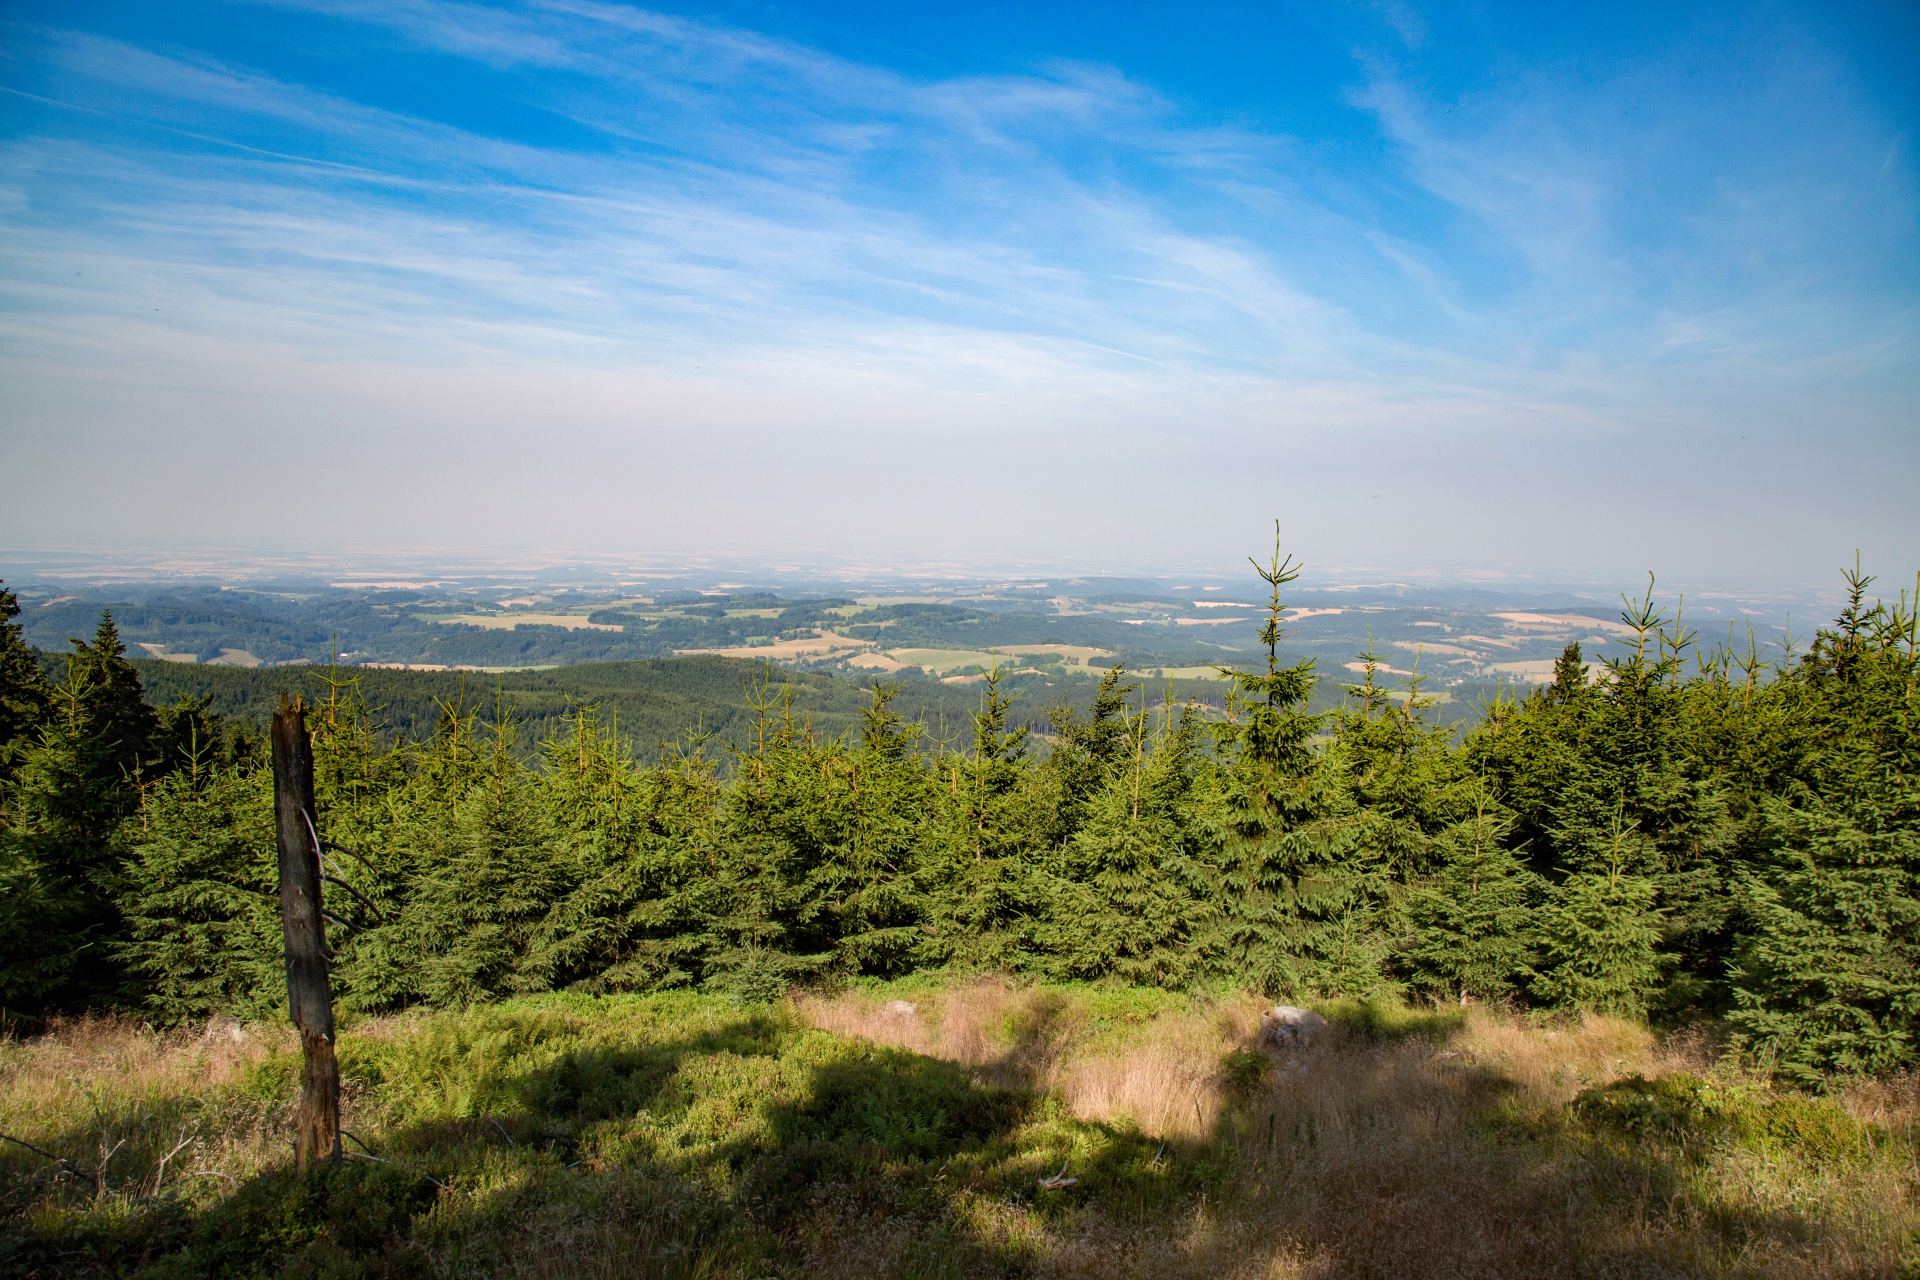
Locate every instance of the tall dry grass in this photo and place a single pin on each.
(1453, 1151)
(1447, 1155)
(1162, 1074)
(124, 1120)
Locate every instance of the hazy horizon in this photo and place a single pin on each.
(138, 571)
(1460, 294)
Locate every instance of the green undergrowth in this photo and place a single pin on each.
(706, 1131)
(1727, 1169)
(687, 1134)
(1391, 1020)
(1684, 1115)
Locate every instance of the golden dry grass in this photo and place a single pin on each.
(134, 1113)
(1423, 1155)
(1162, 1076)
(1417, 1144)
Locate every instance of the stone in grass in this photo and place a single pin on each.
(224, 1028)
(1287, 1027)
(900, 1009)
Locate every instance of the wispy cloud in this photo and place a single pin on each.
(692, 224)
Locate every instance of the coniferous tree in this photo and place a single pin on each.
(1275, 825)
(871, 875)
(200, 896)
(483, 875)
(781, 835)
(1605, 786)
(73, 783)
(1739, 836)
(1638, 765)
(1129, 899)
(1827, 973)
(1599, 938)
(981, 889)
(645, 853)
(26, 698)
(1569, 675)
(1404, 782)
(125, 729)
(1084, 754)
(1472, 924)
(29, 894)
(1400, 789)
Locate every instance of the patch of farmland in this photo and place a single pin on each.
(508, 621)
(1574, 621)
(822, 645)
(1537, 670)
(1073, 657)
(938, 661)
(1429, 646)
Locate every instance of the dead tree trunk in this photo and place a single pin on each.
(318, 1120)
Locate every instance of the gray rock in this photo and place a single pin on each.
(225, 1029)
(900, 1009)
(1287, 1027)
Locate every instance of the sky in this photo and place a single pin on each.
(1571, 292)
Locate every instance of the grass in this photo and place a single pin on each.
(905, 1130)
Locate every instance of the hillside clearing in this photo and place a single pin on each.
(904, 1129)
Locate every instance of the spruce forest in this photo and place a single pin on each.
(1684, 832)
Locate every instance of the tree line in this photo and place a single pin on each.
(1678, 832)
(655, 702)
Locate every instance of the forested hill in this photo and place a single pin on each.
(649, 705)
(1677, 833)
(1463, 640)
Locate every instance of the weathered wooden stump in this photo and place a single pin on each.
(309, 997)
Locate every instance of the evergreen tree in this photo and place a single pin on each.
(1277, 829)
(1569, 675)
(784, 837)
(30, 896)
(1827, 972)
(1605, 782)
(1129, 901)
(982, 887)
(120, 724)
(1472, 934)
(870, 875)
(1404, 783)
(643, 851)
(1742, 836)
(483, 874)
(26, 699)
(73, 783)
(201, 900)
(1599, 937)
(1085, 752)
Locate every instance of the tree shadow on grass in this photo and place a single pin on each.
(731, 1128)
(757, 1147)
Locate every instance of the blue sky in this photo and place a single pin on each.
(1458, 289)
